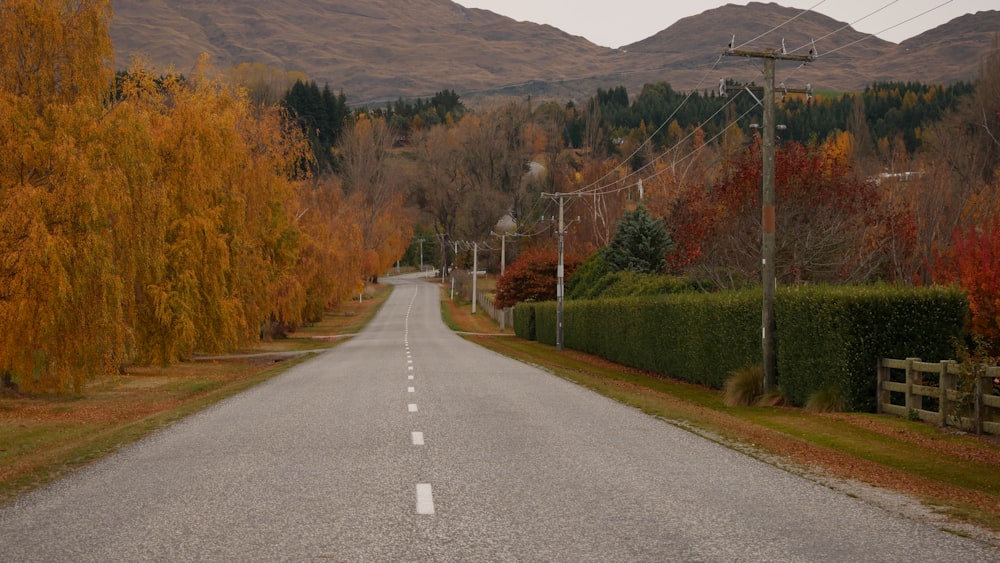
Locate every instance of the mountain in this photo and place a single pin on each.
(379, 50)
(375, 49)
(962, 42)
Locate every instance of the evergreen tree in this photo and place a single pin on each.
(640, 244)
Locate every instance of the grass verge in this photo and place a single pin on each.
(43, 438)
(955, 474)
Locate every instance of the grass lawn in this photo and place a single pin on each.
(956, 474)
(44, 438)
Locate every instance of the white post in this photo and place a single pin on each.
(475, 273)
(503, 253)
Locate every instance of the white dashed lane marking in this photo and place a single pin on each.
(418, 438)
(412, 407)
(425, 499)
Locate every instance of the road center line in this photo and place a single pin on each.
(418, 438)
(425, 500)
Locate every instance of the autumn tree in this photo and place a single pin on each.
(441, 184)
(830, 226)
(532, 277)
(225, 238)
(329, 261)
(973, 262)
(264, 85)
(374, 194)
(60, 295)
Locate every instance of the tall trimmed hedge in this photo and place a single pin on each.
(826, 336)
(831, 337)
(698, 337)
(524, 320)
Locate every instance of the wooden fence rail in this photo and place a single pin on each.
(938, 393)
(504, 317)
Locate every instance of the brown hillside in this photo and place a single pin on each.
(380, 50)
(377, 49)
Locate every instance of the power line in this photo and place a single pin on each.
(777, 27)
(602, 190)
(654, 133)
(845, 26)
(869, 36)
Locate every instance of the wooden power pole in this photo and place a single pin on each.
(768, 244)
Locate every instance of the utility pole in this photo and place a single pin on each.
(503, 249)
(475, 273)
(421, 241)
(503, 253)
(768, 222)
(444, 257)
(560, 269)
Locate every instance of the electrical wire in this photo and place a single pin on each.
(595, 189)
(653, 134)
(869, 36)
(845, 26)
(777, 27)
(609, 188)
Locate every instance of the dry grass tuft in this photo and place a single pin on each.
(745, 387)
(825, 400)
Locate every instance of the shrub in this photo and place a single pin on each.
(825, 400)
(744, 387)
(532, 277)
(594, 279)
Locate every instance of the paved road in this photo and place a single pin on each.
(408, 444)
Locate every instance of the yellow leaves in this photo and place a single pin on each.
(839, 150)
(160, 221)
(54, 50)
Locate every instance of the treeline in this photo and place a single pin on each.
(322, 115)
(887, 110)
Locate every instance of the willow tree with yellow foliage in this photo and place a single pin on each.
(147, 221)
(60, 292)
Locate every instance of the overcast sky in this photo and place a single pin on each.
(614, 23)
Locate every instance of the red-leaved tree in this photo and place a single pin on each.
(532, 277)
(973, 262)
(831, 226)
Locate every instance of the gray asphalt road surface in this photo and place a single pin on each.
(407, 443)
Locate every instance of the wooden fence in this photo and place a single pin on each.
(940, 393)
(503, 317)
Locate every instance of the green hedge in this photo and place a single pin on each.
(698, 337)
(826, 336)
(831, 337)
(524, 320)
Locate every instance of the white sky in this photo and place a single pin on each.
(614, 23)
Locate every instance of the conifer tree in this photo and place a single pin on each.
(640, 244)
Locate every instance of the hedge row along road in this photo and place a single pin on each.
(408, 443)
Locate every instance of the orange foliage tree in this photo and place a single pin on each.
(378, 204)
(831, 226)
(60, 293)
(145, 222)
(973, 262)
